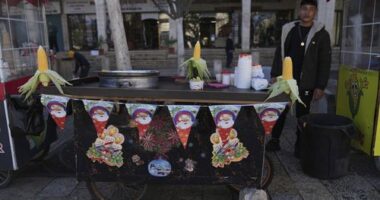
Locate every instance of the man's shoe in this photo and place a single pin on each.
(273, 145)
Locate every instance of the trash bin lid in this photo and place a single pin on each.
(330, 121)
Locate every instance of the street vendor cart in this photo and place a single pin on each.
(358, 82)
(23, 125)
(137, 136)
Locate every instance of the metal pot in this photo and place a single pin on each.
(129, 79)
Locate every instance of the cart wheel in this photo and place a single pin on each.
(266, 178)
(66, 155)
(116, 190)
(5, 178)
(377, 162)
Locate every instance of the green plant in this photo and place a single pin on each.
(169, 42)
(196, 67)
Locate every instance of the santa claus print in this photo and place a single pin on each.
(142, 118)
(183, 121)
(269, 118)
(99, 116)
(226, 145)
(57, 111)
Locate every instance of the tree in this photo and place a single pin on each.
(123, 61)
(176, 9)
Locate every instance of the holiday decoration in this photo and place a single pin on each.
(160, 136)
(159, 168)
(269, 114)
(142, 115)
(183, 118)
(43, 75)
(56, 106)
(108, 148)
(189, 165)
(285, 83)
(226, 145)
(99, 112)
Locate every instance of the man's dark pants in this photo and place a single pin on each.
(230, 56)
(301, 110)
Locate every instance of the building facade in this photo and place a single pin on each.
(73, 23)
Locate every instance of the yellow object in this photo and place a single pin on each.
(70, 54)
(42, 61)
(43, 75)
(287, 69)
(197, 51)
(44, 79)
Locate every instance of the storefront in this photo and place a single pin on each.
(211, 21)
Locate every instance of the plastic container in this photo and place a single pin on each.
(325, 144)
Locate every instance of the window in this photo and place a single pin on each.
(266, 27)
(82, 31)
(21, 32)
(211, 29)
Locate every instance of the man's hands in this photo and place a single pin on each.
(318, 94)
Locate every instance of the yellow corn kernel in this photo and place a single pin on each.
(287, 69)
(197, 51)
(42, 61)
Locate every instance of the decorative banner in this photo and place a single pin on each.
(226, 145)
(56, 106)
(108, 148)
(142, 115)
(269, 114)
(183, 118)
(99, 112)
(159, 168)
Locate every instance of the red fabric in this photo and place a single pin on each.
(11, 2)
(2, 91)
(224, 133)
(183, 135)
(142, 129)
(11, 87)
(35, 2)
(268, 126)
(99, 126)
(59, 121)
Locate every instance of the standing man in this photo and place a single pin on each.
(81, 63)
(229, 50)
(308, 44)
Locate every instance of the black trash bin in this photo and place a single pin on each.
(325, 144)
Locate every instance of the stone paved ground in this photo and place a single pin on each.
(50, 180)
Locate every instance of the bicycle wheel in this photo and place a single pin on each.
(66, 155)
(266, 177)
(5, 178)
(116, 190)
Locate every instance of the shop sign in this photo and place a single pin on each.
(139, 6)
(53, 7)
(79, 6)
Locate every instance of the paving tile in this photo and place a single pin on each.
(24, 188)
(59, 187)
(351, 187)
(80, 194)
(306, 185)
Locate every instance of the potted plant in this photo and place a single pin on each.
(196, 69)
(169, 44)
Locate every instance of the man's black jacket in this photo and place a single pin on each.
(317, 60)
